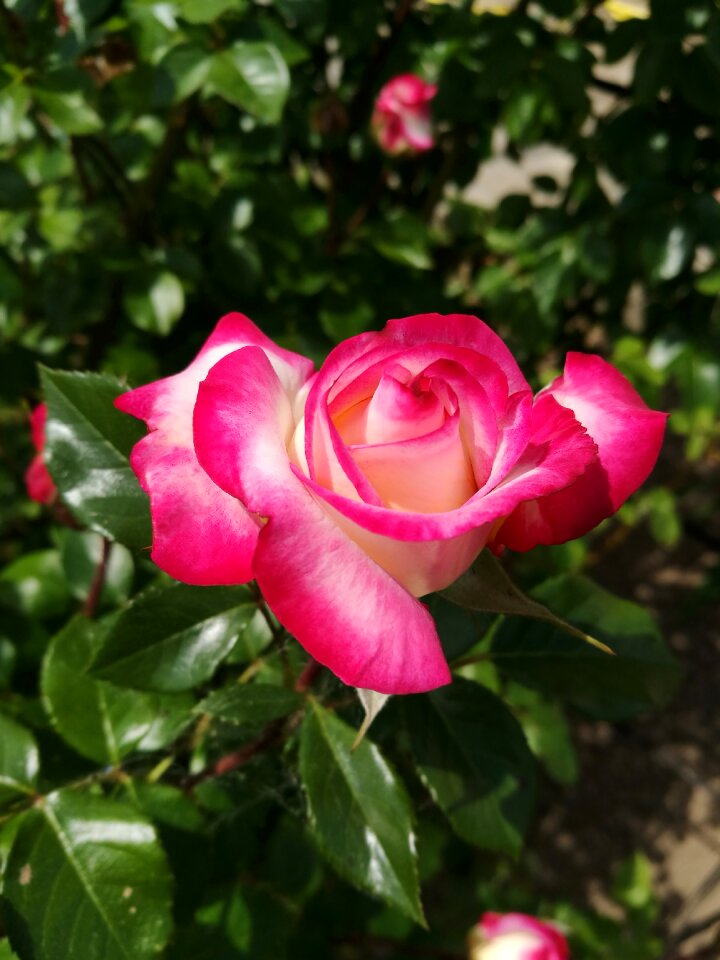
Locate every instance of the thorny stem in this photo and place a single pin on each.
(98, 580)
(274, 734)
(309, 675)
(63, 21)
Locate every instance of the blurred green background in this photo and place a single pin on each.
(162, 163)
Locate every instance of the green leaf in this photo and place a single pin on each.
(102, 721)
(155, 302)
(547, 732)
(62, 96)
(404, 240)
(35, 584)
(19, 761)
(643, 674)
(87, 878)
(667, 251)
(172, 638)
(709, 282)
(359, 811)
(205, 11)
(181, 72)
(487, 588)
(252, 704)
(254, 77)
(87, 448)
(472, 755)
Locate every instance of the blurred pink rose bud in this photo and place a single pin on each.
(39, 483)
(401, 118)
(516, 936)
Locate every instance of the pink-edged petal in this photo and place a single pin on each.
(422, 568)
(558, 453)
(628, 436)
(478, 421)
(38, 482)
(398, 412)
(344, 609)
(201, 535)
(627, 432)
(496, 925)
(169, 402)
(460, 330)
(430, 474)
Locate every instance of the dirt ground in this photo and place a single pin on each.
(654, 784)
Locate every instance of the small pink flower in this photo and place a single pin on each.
(349, 492)
(516, 936)
(39, 483)
(401, 118)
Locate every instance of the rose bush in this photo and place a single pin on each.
(38, 482)
(401, 117)
(350, 492)
(516, 936)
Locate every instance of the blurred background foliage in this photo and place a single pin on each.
(162, 163)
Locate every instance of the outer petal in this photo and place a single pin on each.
(200, 534)
(344, 609)
(628, 436)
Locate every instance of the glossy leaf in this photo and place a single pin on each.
(19, 761)
(35, 585)
(205, 11)
(643, 674)
(87, 878)
(172, 638)
(473, 757)
(155, 302)
(487, 588)
(254, 77)
(253, 704)
(87, 449)
(359, 812)
(100, 720)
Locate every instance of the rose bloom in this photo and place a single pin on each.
(350, 492)
(38, 482)
(516, 936)
(401, 116)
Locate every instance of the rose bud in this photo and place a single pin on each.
(401, 118)
(516, 936)
(39, 483)
(350, 492)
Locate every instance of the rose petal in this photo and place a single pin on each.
(344, 609)
(628, 436)
(559, 453)
(430, 474)
(200, 534)
(40, 485)
(38, 419)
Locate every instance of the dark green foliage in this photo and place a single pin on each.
(164, 789)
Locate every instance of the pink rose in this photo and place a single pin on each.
(516, 936)
(350, 492)
(39, 483)
(401, 117)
